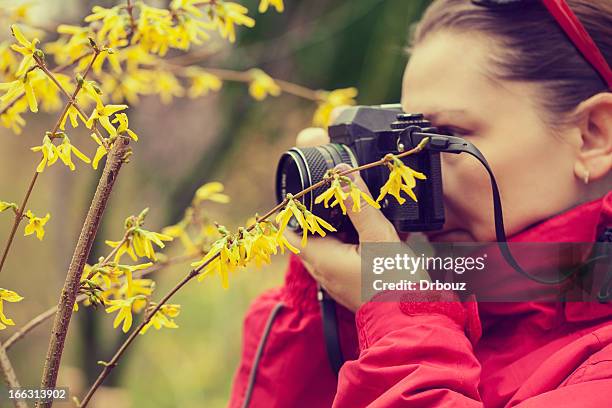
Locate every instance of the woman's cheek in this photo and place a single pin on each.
(467, 193)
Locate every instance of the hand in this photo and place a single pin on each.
(336, 265)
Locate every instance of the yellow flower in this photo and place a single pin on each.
(292, 209)
(12, 117)
(72, 44)
(202, 82)
(264, 4)
(25, 48)
(220, 258)
(244, 241)
(211, 191)
(401, 178)
(339, 194)
(5, 206)
(92, 90)
(7, 58)
(155, 32)
(46, 91)
(226, 14)
(135, 286)
(138, 242)
(124, 247)
(125, 311)
(263, 243)
(282, 243)
(9, 296)
(190, 30)
(36, 225)
(65, 150)
(163, 318)
(262, 85)
(135, 57)
(113, 23)
(122, 119)
(334, 191)
(167, 86)
(16, 88)
(105, 274)
(102, 114)
(143, 240)
(329, 101)
(128, 87)
(20, 12)
(356, 195)
(180, 231)
(314, 224)
(49, 152)
(100, 151)
(72, 113)
(108, 54)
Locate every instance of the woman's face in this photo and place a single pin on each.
(446, 80)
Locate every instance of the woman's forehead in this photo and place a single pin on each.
(447, 76)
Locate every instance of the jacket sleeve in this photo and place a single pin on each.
(591, 394)
(288, 367)
(415, 352)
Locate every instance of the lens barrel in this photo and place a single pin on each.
(301, 167)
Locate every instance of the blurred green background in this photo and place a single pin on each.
(227, 136)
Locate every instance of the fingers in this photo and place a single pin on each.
(370, 222)
(311, 137)
(334, 264)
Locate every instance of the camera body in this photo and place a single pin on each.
(361, 135)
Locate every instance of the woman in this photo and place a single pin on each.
(508, 79)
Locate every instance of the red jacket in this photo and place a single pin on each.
(434, 354)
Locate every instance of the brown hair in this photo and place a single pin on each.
(532, 46)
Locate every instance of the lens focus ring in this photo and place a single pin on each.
(303, 167)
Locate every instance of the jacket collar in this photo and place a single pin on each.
(582, 223)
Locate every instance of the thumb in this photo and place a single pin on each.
(370, 222)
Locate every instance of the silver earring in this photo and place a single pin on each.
(586, 177)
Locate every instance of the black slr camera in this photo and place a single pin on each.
(361, 135)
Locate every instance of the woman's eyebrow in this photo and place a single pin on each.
(436, 114)
(465, 117)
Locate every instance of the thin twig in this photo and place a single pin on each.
(130, 10)
(246, 77)
(10, 377)
(18, 218)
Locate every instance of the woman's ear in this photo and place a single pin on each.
(594, 159)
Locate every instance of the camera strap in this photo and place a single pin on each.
(330, 329)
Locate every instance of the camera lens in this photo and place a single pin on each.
(301, 167)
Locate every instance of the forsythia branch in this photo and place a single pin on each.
(108, 367)
(72, 284)
(9, 375)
